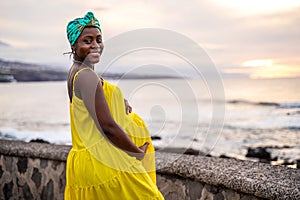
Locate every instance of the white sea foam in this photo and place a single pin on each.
(57, 137)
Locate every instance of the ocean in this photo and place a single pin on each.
(181, 113)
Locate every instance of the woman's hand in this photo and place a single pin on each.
(144, 148)
(128, 108)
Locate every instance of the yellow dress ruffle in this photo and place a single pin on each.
(96, 169)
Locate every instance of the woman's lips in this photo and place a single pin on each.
(94, 53)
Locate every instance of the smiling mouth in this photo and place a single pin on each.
(95, 52)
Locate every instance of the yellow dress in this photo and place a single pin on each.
(95, 168)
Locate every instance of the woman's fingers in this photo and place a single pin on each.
(128, 108)
(144, 147)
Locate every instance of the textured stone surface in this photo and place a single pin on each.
(7, 189)
(171, 188)
(36, 177)
(48, 191)
(194, 189)
(37, 171)
(27, 192)
(34, 150)
(22, 164)
(257, 179)
(43, 164)
(177, 188)
(35, 182)
(1, 171)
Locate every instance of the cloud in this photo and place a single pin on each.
(229, 37)
(274, 36)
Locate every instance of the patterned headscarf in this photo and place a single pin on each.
(76, 26)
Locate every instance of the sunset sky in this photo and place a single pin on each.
(258, 39)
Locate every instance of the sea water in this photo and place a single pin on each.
(182, 112)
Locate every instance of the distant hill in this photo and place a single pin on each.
(20, 71)
(31, 72)
(4, 44)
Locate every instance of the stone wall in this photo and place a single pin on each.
(179, 188)
(31, 178)
(32, 170)
(37, 171)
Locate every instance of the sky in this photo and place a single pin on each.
(257, 39)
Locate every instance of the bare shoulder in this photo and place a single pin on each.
(87, 72)
(86, 78)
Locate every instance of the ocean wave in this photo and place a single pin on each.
(290, 105)
(262, 103)
(58, 137)
(260, 129)
(295, 128)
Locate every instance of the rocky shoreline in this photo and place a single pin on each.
(256, 154)
(23, 72)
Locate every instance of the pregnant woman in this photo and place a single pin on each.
(112, 155)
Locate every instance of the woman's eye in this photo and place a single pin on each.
(87, 41)
(99, 40)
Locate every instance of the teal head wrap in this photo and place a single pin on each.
(76, 26)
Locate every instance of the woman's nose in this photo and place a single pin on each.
(95, 44)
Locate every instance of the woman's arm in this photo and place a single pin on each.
(90, 88)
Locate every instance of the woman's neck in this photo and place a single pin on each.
(84, 64)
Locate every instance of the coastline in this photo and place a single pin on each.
(264, 127)
(255, 154)
(11, 71)
(259, 154)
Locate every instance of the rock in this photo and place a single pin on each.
(178, 150)
(155, 137)
(39, 141)
(259, 152)
(224, 156)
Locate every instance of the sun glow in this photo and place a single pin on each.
(265, 69)
(258, 63)
(275, 71)
(269, 69)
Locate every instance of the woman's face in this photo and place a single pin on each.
(89, 46)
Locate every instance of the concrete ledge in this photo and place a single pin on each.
(255, 179)
(34, 150)
(259, 179)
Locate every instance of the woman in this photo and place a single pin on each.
(112, 156)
